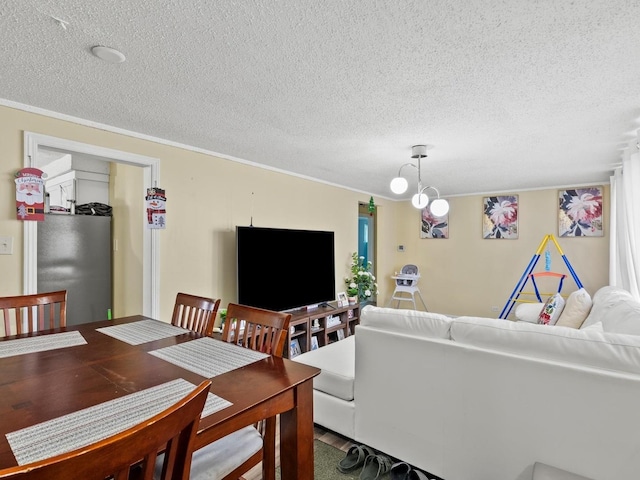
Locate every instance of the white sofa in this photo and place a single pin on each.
(471, 398)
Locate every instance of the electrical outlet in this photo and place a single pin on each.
(6, 245)
(495, 308)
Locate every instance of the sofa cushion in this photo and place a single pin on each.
(412, 322)
(551, 310)
(576, 309)
(590, 348)
(594, 326)
(616, 309)
(529, 312)
(337, 362)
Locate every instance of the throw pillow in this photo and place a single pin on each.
(576, 310)
(551, 310)
(529, 312)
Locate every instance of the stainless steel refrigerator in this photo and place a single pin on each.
(74, 254)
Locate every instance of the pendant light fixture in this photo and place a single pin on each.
(439, 207)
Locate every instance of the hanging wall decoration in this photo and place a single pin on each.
(156, 208)
(30, 194)
(580, 212)
(432, 226)
(500, 217)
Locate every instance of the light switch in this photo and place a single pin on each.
(6, 245)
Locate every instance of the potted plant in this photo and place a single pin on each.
(222, 313)
(361, 284)
(352, 295)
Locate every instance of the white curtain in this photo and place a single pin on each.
(624, 265)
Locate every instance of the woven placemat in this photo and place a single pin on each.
(143, 331)
(84, 427)
(208, 357)
(21, 346)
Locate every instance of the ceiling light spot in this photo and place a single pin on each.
(108, 54)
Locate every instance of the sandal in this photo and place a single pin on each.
(416, 475)
(400, 471)
(375, 466)
(356, 455)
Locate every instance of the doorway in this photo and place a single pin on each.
(367, 234)
(150, 242)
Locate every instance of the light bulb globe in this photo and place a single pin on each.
(439, 207)
(420, 200)
(399, 185)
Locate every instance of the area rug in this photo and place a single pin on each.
(326, 459)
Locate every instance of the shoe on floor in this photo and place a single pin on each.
(375, 466)
(356, 455)
(400, 471)
(416, 475)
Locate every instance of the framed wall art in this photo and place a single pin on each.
(580, 212)
(432, 226)
(500, 217)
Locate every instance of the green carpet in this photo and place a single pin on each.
(326, 459)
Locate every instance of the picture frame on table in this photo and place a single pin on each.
(343, 300)
(294, 349)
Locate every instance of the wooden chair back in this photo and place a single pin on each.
(173, 430)
(40, 311)
(195, 313)
(256, 328)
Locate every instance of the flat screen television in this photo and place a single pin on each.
(284, 269)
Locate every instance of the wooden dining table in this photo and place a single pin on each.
(37, 387)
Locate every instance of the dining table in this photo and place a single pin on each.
(82, 368)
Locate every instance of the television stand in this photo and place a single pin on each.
(314, 328)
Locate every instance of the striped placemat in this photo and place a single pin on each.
(208, 357)
(143, 331)
(42, 343)
(96, 423)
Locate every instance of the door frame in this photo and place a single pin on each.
(150, 239)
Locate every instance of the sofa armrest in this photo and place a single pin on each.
(547, 472)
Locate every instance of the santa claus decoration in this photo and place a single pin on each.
(30, 194)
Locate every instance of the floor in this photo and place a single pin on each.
(319, 433)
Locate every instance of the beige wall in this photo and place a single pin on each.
(127, 200)
(209, 196)
(468, 275)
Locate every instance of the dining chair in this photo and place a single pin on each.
(173, 430)
(50, 308)
(256, 328)
(235, 454)
(195, 313)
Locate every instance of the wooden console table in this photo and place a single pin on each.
(304, 332)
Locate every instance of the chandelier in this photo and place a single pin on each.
(439, 207)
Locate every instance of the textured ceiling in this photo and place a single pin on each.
(513, 94)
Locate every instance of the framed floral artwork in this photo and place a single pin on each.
(432, 226)
(500, 217)
(580, 212)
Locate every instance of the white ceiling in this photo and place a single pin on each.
(513, 94)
